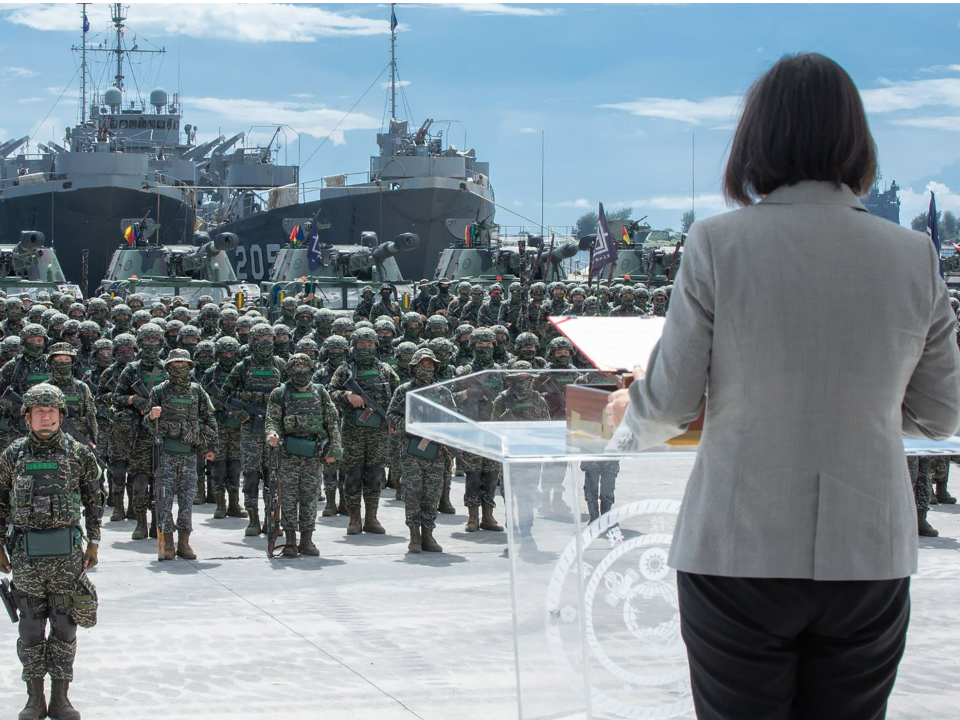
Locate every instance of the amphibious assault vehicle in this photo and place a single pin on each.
(28, 267)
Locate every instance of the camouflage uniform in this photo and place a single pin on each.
(366, 449)
(440, 301)
(20, 374)
(228, 462)
(489, 314)
(553, 387)
(53, 587)
(470, 312)
(304, 419)
(186, 423)
(365, 306)
(385, 307)
(115, 433)
(80, 406)
(335, 349)
(423, 460)
(456, 305)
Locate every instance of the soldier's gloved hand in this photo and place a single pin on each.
(4, 560)
(273, 439)
(90, 556)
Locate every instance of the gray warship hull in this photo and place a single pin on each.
(436, 209)
(90, 218)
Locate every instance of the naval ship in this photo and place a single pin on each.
(414, 184)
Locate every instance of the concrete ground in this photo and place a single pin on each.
(367, 631)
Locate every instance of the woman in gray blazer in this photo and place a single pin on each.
(798, 530)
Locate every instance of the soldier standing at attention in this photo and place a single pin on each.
(335, 349)
(422, 460)
(365, 306)
(76, 393)
(303, 421)
(185, 422)
(365, 431)
(46, 551)
(120, 427)
(440, 301)
(227, 467)
(253, 379)
(385, 307)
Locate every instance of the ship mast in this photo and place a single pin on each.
(393, 62)
(84, 28)
(118, 18)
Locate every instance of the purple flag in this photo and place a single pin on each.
(314, 253)
(932, 227)
(605, 251)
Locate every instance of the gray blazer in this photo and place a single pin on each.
(821, 335)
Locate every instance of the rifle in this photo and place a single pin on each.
(370, 405)
(8, 602)
(71, 429)
(12, 401)
(272, 501)
(258, 413)
(676, 256)
(157, 481)
(140, 389)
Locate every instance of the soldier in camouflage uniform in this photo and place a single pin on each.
(511, 310)
(288, 311)
(323, 324)
(181, 413)
(342, 326)
(20, 374)
(205, 357)
(526, 347)
(476, 402)
(47, 556)
(80, 406)
(440, 302)
(365, 431)
(282, 341)
(120, 316)
(422, 459)
(489, 314)
(411, 323)
(207, 321)
(303, 421)
(13, 323)
(461, 337)
(225, 473)
(437, 327)
(119, 426)
(228, 322)
(929, 469)
(303, 324)
(10, 348)
(470, 312)
(444, 351)
(456, 305)
(365, 306)
(660, 301)
(385, 307)
(131, 398)
(628, 304)
(253, 379)
(335, 350)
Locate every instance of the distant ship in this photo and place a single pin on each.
(414, 185)
(884, 203)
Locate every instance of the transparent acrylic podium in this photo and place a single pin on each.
(595, 613)
(595, 617)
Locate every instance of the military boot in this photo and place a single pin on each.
(168, 553)
(60, 707)
(253, 527)
(399, 493)
(416, 542)
(290, 543)
(201, 497)
(183, 546)
(594, 509)
(488, 521)
(153, 524)
(140, 531)
(131, 513)
(36, 707)
(925, 529)
(429, 544)
(473, 519)
(370, 522)
(446, 507)
(306, 545)
(234, 509)
(342, 505)
(221, 511)
(353, 528)
(211, 492)
(605, 506)
(932, 497)
(942, 495)
(330, 509)
(118, 513)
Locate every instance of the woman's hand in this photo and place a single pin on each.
(619, 400)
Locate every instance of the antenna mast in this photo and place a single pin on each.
(118, 18)
(393, 62)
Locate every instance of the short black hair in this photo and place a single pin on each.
(803, 119)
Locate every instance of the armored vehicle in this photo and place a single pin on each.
(188, 271)
(485, 262)
(28, 267)
(342, 273)
(652, 264)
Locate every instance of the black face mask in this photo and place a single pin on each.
(443, 290)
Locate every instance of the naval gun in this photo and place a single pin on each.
(199, 262)
(28, 266)
(341, 271)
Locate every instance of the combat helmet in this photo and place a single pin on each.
(44, 395)
(363, 334)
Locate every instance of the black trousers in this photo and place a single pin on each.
(772, 649)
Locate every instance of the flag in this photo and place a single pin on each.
(605, 250)
(932, 227)
(624, 235)
(296, 235)
(86, 25)
(393, 19)
(468, 235)
(314, 254)
(131, 235)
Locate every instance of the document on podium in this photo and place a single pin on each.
(612, 344)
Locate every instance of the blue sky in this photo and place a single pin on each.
(619, 91)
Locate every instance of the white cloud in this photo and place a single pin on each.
(20, 72)
(400, 83)
(579, 204)
(528, 130)
(491, 9)
(303, 96)
(706, 202)
(25, 100)
(941, 68)
(945, 122)
(912, 94)
(721, 109)
(240, 22)
(912, 203)
(312, 118)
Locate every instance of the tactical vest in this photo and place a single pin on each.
(303, 413)
(260, 379)
(181, 414)
(26, 374)
(224, 419)
(371, 380)
(72, 397)
(42, 496)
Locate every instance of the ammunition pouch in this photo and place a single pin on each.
(300, 446)
(422, 448)
(58, 542)
(176, 447)
(367, 418)
(226, 420)
(80, 606)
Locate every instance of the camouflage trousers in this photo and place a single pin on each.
(365, 455)
(229, 461)
(139, 468)
(921, 491)
(56, 590)
(600, 480)
(395, 463)
(931, 470)
(299, 485)
(422, 485)
(482, 477)
(253, 462)
(178, 473)
(332, 479)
